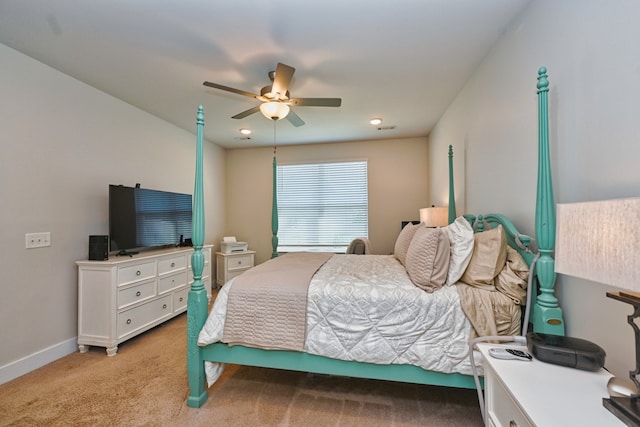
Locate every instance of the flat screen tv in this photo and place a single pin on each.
(141, 218)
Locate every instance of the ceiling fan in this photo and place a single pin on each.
(275, 98)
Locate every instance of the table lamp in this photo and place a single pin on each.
(435, 216)
(600, 241)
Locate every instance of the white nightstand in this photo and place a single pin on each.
(230, 265)
(519, 393)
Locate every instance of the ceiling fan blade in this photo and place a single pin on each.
(246, 113)
(315, 102)
(284, 74)
(230, 89)
(294, 119)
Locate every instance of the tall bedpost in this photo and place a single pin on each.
(452, 193)
(274, 211)
(197, 303)
(547, 316)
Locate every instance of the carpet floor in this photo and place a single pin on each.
(145, 384)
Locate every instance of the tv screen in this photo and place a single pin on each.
(140, 218)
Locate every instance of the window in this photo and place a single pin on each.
(322, 206)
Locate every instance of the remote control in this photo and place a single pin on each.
(509, 353)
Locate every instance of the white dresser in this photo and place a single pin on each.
(230, 265)
(125, 296)
(535, 393)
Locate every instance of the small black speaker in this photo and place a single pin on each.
(98, 248)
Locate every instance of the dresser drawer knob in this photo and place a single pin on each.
(138, 273)
(164, 306)
(513, 424)
(128, 321)
(181, 298)
(239, 262)
(173, 264)
(138, 293)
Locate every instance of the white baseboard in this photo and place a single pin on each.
(37, 360)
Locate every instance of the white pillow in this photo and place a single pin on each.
(461, 240)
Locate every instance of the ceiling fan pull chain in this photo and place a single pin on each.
(274, 138)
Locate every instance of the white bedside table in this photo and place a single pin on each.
(520, 393)
(230, 265)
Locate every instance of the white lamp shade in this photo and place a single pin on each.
(600, 241)
(274, 110)
(435, 216)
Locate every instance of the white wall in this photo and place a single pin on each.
(593, 61)
(398, 187)
(63, 143)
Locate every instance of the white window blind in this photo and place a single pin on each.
(321, 206)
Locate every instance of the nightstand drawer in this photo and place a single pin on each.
(502, 410)
(136, 272)
(240, 262)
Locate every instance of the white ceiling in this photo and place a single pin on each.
(403, 60)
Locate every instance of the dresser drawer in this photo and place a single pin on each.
(137, 293)
(241, 262)
(139, 317)
(173, 263)
(171, 282)
(180, 300)
(136, 273)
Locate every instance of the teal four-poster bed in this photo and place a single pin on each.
(546, 314)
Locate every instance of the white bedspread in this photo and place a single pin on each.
(366, 308)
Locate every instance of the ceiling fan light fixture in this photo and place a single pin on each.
(375, 121)
(245, 131)
(274, 110)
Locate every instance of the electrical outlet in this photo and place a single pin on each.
(37, 240)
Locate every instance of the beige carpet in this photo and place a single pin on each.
(145, 384)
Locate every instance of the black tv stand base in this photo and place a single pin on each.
(129, 253)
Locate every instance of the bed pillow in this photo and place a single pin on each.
(427, 261)
(488, 258)
(512, 280)
(403, 241)
(461, 239)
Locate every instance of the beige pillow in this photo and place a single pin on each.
(427, 261)
(512, 280)
(403, 241)
(461, 240)
(488, 258)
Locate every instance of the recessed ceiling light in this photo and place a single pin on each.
(245, 131)
(376, 121)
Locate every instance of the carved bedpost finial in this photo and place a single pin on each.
(200, 116)
(543, 82)
(452, 196)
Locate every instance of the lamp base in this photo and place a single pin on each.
(625, 408)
